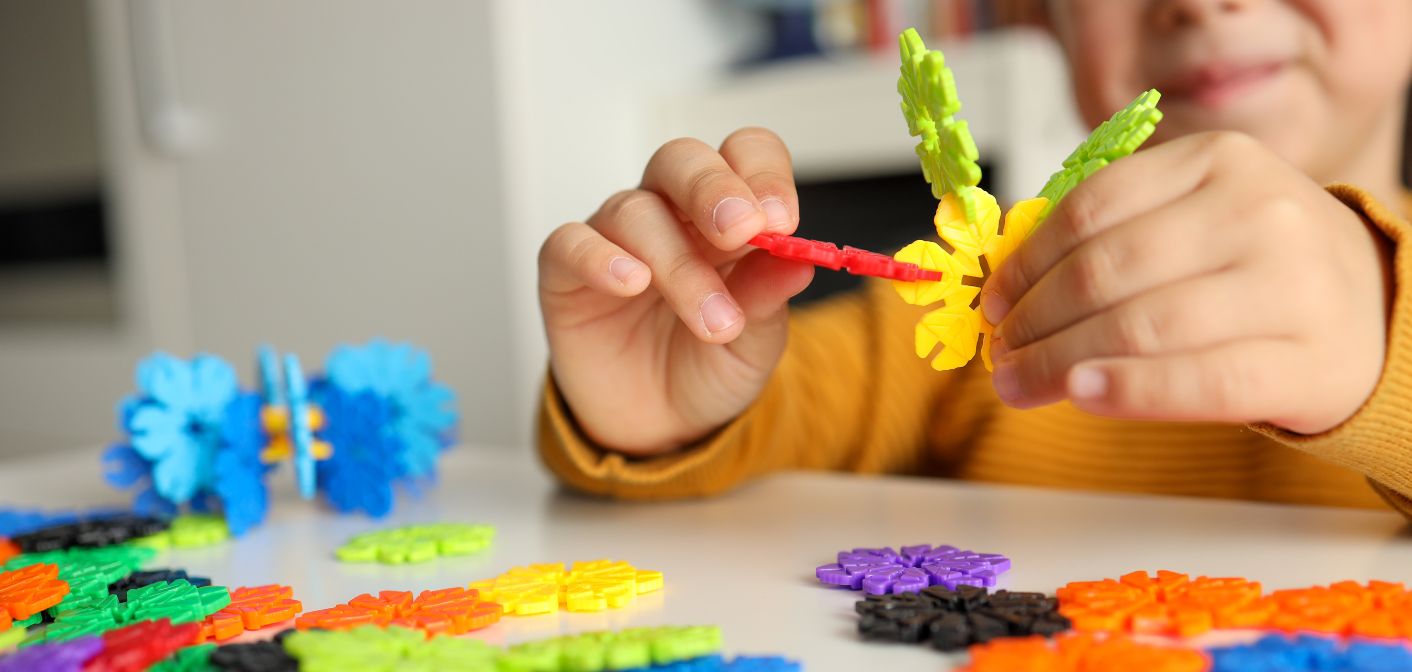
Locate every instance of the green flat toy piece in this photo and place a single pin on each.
(929, 103)
(10, 639)
(188, 531)
(178, 600)
(190, 659)
(416, 543)
(1114, 139)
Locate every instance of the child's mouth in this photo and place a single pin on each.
(1215, 85)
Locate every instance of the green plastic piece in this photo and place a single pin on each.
(190, 659)
(188, 531)
(1114, 139)
(178, 600)
(929, 103)
(32, 620)
(622, 650)
(10, 639)
(417, 543)
(88, 571)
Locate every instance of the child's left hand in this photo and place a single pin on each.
(1203, 279)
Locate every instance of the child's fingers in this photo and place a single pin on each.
(1138, 184)
(1176, 318)
(647, 228)
(1245, 381)
(1161, 247)
(575, 256)
(702, 185)
(762, 285)
(762, 160)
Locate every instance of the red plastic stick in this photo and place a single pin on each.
(851, 259)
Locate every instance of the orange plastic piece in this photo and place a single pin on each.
(1167, 603)
(251, 609)
(450, 611)
(1082, 653)
(8, 549)
(27, 591)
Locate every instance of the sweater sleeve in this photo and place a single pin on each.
(1377, 440)
(848, 394)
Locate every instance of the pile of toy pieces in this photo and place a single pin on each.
(196, 441)
(1140, 621)
(74, 596)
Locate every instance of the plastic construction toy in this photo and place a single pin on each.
(121, 587)
(1167, 603)
(738, 664)
(585, 586)
(195, 440)
(1277, 653)
(27, 591)
(177, 601)
(251, 609)
(8, 549)
(87, 571)
(417, 543)
(375, 649)
(851, 259)
(953, 619)
(1087, 653)
(967, 218)
(15, 522)
(190, 659)
(67, 656)
(879, 571)
(450, 611)
(92, 533)
(189, 531)
(140, 645)
(635, 648)
(256, 657)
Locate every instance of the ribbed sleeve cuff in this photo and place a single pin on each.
(1377, 440)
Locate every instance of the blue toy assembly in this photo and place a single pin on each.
(375, 418)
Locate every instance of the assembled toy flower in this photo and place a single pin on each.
(967, 218)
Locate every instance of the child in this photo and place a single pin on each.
(1202, 318)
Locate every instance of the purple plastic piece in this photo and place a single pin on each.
(880, 571)
(66, 656)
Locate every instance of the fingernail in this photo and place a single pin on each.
(998, 349)
(1087, 382)
(719, 313)
(994, 306)
(622, 268)
(777, 214)
(731, 212)
(1007, 383)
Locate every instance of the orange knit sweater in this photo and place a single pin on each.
(850, 394)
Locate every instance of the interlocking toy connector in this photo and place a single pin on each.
(968, 219)
(585, 586)
(416, 543)
(374, 419)
(450, 611)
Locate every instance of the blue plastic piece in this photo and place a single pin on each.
(360, 473)
(269, 375)
(715, 663)
(240, 486)
(300, 434)
(421, 409)
(23, 521)
(177, 423)
(1309, 653)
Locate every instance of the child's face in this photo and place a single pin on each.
(1312, 79)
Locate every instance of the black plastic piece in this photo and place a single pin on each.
(955, 619)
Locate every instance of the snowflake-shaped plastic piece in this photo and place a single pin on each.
(737, 664)
(8, 549)
(421, 409)
(391, 648)
(27, 591)
(88, 571)
(417, 543)
(630, 649)
(178, 601)
(122, 587)
(189, 531)
(449, 611)
(251, 609)
(879, 571)
(140, 645)
(953, 619)
(1084, 653)
(67, 656)
(10, 637)
(92, 532)
(1377, 609)
(190, 659)
(241, 487)
(930, 103)
(1279, 653)
(1114, 139)
(290, 420)
(175, 421)
(586, 586)
(1167, 603)
(366, 460)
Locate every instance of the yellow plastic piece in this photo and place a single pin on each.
(275, 420)
(585, 586)
(931, 257)
(970, 240)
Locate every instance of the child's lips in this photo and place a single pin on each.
(1216, 84)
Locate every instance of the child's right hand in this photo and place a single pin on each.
(663, 324)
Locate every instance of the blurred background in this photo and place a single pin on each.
(211, 175)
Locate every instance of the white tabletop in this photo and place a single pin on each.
(745, 561)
